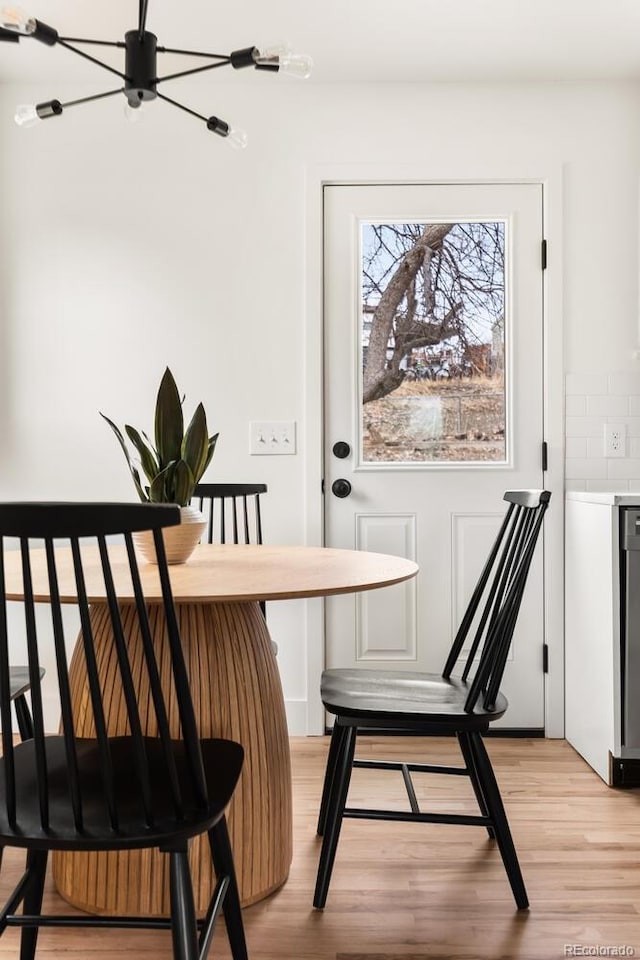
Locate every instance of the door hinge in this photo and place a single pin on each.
(322, 486)
(545, 456)
(543, 255)
(545, 658)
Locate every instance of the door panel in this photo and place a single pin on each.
(433, 376)
(386, 627)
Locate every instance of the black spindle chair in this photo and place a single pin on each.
(232, 511)
(233, 515)
(18, 688)
(19, 684)
(62, 792)
(399, 703)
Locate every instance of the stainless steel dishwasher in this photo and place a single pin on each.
(629, 633)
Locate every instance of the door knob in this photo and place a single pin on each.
(341, 488)
(341, 449)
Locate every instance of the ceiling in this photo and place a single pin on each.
(361, 40)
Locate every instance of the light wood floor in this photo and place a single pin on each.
(424, 891)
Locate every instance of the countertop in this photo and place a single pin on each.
(608, 497)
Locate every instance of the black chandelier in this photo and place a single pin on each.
(140, 76)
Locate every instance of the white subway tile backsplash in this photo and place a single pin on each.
(607, 406)
(584, 426)
(624, 383)
(577, 469)
(592, 401)
(595, 446)
(602, 486)
(576, 447)
(627, 468)
(576, 485)
(575, 406)
(586, 383)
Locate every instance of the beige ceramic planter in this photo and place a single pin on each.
(179, 541)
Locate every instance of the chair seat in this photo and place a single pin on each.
(403, 699)
(222, 763)
(19, 681)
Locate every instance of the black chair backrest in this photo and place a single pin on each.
(78, 525)
(493, 609)
(233, 511)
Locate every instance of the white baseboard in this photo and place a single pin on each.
(296, 717)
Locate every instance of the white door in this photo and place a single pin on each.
(434, 395)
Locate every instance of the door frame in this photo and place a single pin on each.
(549, 177)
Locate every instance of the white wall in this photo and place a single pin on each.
(129, 247)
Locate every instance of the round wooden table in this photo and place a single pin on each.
(237, 694)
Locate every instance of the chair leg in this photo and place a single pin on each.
(183, 914)
(23, 716)
(222, 857)
(493, 799)
(467, 753)
(339, 791)
(32, 903)
(334, 748)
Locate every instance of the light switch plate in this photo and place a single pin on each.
(272, 437)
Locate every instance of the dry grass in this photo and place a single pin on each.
(458, 420)
(455, 386)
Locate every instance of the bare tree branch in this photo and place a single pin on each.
(423, 285)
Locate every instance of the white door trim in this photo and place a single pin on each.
(550, 177)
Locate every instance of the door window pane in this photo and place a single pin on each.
(433, 342)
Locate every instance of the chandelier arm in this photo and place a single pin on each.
(86, 56)
(142, 18)
(99, 43)
(192, 53)
(181, 106)
(187, 73)
(96, 96)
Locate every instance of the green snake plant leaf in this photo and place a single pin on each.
(174, 466)
(169, 424)
(195, 445)
(147, 455)
(212, 446)
(134, 472)
(183, 483)
(157, 490)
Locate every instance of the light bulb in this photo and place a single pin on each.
(133, 112)
(238, 139)
(296, 65)
(280, 56)
(26, 115)
(271, 52)
(15, 19)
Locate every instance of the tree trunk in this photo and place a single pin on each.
(378, 380)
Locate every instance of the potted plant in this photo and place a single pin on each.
(172, 466)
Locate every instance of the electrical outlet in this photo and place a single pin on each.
(615, 440)
(272, 437)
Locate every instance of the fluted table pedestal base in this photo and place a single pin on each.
(237, 694)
